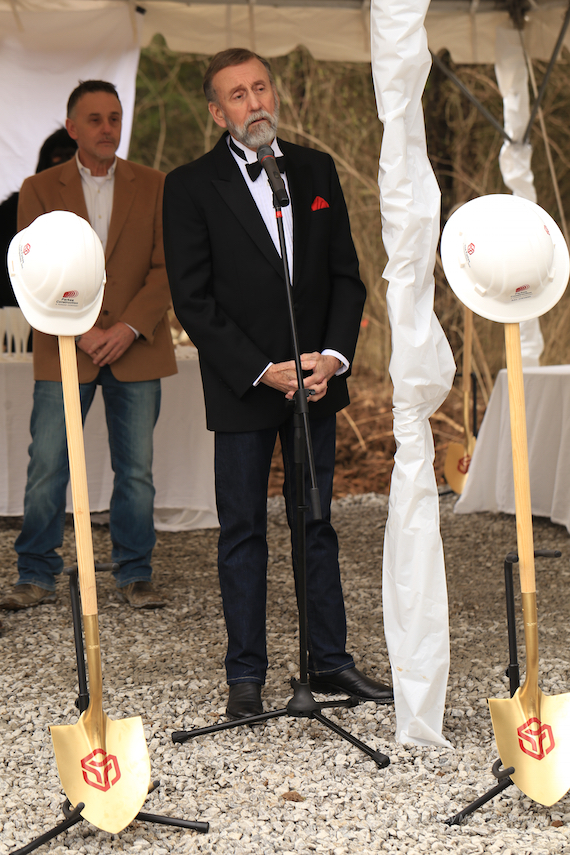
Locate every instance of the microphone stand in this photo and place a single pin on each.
(302, 704)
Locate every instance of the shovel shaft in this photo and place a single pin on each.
(466, 384)
(78, 475)
(94, 717)
(520, 459)
(525, 545)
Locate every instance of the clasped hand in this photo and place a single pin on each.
(283, 376)
(106, 346)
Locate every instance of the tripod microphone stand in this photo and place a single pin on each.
(303, 703)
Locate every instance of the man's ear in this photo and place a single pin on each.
(70, 127)
(217, 114)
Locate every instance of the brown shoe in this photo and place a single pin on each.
(25, 596)
(141, 595)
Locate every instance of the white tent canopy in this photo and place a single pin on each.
(339, 29)
(46, 45)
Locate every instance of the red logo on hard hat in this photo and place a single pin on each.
(70, 294)
(26, 249)
(535, 738)
(471, 248)
(546, 230)
(100, 770)
(522, 288)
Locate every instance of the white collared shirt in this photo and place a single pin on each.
(98, 192)
(263, 198)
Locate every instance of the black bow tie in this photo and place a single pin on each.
(254, 169)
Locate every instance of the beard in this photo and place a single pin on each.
(262, 134)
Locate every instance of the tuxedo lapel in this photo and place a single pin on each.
(123, 197)
(234, 191)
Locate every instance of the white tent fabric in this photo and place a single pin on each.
(47, 45)
(422, 370)
(515, 157)
(338, 30)
(43, 55)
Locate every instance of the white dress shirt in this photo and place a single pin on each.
(98, 193)
(263, 198)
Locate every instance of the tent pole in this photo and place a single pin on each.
(468, 94)
(547, 148)
(553, 58)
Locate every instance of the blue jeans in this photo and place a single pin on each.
(131, 411)
(242, 463)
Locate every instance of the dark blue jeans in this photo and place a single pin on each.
(242, 464)
(131, 411)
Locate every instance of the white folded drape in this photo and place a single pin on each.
(515, 157)
(43, 56)
(422, 370)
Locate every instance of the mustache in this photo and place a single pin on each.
(255, 117)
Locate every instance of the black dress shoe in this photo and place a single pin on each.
(353, 682)
(244, 699)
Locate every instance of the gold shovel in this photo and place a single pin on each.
(532, 730)
(458, 458)
(102, 763)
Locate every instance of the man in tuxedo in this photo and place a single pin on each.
(227, 280)
(126, 352)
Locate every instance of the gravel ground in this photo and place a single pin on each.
(167, 666)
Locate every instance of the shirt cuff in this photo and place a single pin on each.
(136, 332)
(345, 365)
(258, 381)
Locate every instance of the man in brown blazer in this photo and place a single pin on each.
(127, 352)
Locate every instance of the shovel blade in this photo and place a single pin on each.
(111, 779)
(536, 743)
(457, 463)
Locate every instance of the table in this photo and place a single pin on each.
(490, 486)
(183, 449)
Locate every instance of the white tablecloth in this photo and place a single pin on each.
(183, 448)
(490, 486)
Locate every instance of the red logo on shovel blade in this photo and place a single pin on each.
(463, 464)
(100, 770)
(535, 739)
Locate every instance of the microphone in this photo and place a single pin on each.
(266, 159)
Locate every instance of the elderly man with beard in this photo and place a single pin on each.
(227, 282)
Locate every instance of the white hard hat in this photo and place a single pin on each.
(505, 258)
(57, 269)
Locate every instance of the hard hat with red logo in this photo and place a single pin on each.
(57, 269)
(505, 258)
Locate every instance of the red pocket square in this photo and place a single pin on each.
(319, 203)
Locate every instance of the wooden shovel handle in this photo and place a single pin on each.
(520, 458)
(78, 474)
(467, 349)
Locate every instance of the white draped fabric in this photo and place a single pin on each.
(422, 370)
(514, 158)
(43, 56)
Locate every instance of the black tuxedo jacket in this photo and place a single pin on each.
(228, 285)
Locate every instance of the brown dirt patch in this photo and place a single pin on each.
(365, 443)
